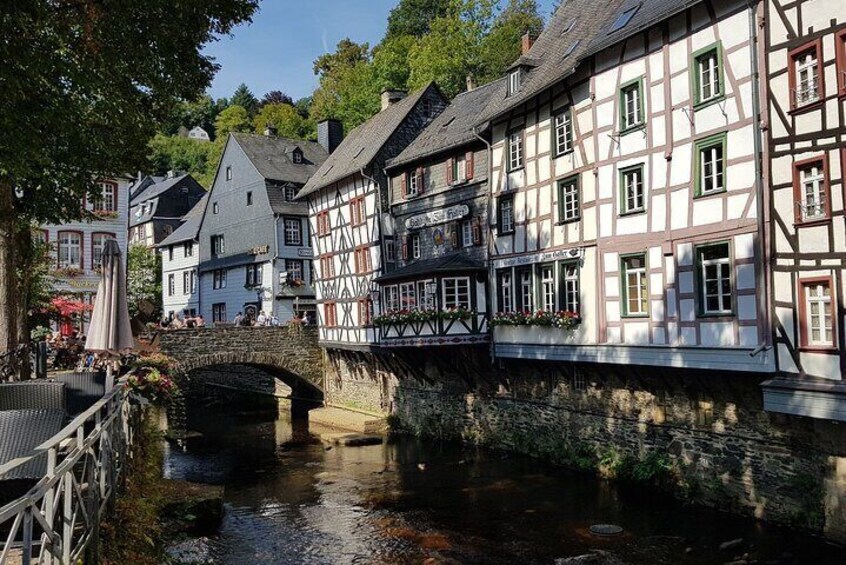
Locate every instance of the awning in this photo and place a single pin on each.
(454, 263)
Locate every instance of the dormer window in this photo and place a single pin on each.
(298, 156)
(514, 81)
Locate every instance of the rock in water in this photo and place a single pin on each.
(731, 544)
(595, 557)
(191, 552)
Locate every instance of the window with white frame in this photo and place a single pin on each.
(290, 193)
(467, 233)
(218, 245)
(459, 169)
(294, 268)
(506, 214)
(635, 285)
(563, 132)
(708, 81)
(570, 287)
(819, 329)
(293, 231)
(391, 298)
(806, 76)
(407, 296)
(70, 250)
(631, 105)
(413, 183)
(327, 267)
(425, 299)
(569, 208)
(390, 251)
(515, 151)
(254, 275)
(171, 284)
(219, 312)
(188, 282)
(98, 244)
(415, 246)
(715, 286)
(634, 197)
(710, 165)
(506, 291)
(525, 290)
(514, 80)
(228, 173)
(188, 248)
(546, 292)
(108, 197)
(215, 208)
(812, 185)
(456, 293)
(218, 279)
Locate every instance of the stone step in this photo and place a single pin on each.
(348, 420)
(352, 440)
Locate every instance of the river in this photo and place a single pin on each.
(291, 500)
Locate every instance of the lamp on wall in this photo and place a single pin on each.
(431, 288)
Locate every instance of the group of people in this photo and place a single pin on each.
(263, 319)
(65, 350)
(179, 322)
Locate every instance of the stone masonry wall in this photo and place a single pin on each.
(707, 429)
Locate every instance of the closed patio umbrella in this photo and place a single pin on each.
(110, 331)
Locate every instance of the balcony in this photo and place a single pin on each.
(418, 328)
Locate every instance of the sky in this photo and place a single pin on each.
(277, 50)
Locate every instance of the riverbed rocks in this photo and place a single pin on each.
(192, 508)
(595, 557)
(191, 552)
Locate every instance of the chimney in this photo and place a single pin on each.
(528, 40)
(330, 134)
(391, 97)
(471, 83)
(270, 131)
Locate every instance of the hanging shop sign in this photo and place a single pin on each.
(436, 217)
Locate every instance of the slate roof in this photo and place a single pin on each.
(22, 431)
(454, 126)
(455, 262)
(157, 189)
(190, 227)
(577, 30)
(273, 156)
(363, 143)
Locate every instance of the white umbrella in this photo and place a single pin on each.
(109, 331)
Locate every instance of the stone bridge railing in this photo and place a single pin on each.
(292, 350)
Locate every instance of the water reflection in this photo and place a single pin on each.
(290, 499)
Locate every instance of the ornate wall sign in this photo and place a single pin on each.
(259, 250)
(438, 237)
(436, 217)
(305, 252)
(561, 254)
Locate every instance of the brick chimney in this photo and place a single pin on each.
(330, 134)
(528, 40)
(391, 97)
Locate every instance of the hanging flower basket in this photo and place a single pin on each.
(153, 379)
(563, 319)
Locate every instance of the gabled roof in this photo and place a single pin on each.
(160, 187)
(190, 227)
(273, 156)
(454, 126)
(363, 144)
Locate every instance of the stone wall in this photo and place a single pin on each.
(359, 381)
(703, 434)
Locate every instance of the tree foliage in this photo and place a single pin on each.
(244, 98)
(275, 97)
(347, 91)
(501, 46)
(286, 120)
(234, 119)
(181, 154)
(144, 278)
(414, 17)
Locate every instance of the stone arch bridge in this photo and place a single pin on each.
(288, 353)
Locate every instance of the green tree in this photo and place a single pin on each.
(348, 90)
(233, 119)
(414, 17)
(179, 154)
(143, 278)
(303, 106)
(390, 62)
(244, 98)
(502, 45)
(275, 97)
(84, 90)
(285, 119)
(201, 112)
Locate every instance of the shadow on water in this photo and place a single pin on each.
(290, 499)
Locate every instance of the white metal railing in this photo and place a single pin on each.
(59, 517)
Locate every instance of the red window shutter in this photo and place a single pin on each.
(469, 165)
(477, 231)
(357, 263)
(449, 164)
(404, 183)
(353, 221)
(405, 250)
(420, 187)
(454, 234)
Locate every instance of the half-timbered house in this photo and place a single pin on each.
(803, 70)
(352, 230)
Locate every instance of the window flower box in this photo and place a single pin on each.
(561, 320)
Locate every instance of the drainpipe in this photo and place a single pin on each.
(765, 270)
(490, 211)
(381, 229)
(275, 276)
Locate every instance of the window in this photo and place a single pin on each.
(219, 279)
(170, 253)
(525, 291)
(189, 282)
(506, 291)
(562, 138)
(228, 173)
(327, 267)
(811, 190)
(70, 250)
(390, 251)
(456, 293)
(413, 182)
(631, 105)
(632, 196)
(707, 71)
(219, 313)
(297, 156)
(254, 275)
(98, 244)
(816, 313)
(362, 260)
(188, 248)
(505, 214)
(635, 293)
(623, 19)
(426, 107)
(426, 299)
(467, 233)
(392, 298)
(805, 78)
(294, 268)
(709, 167)
(546, 279)
(514, 80)
(407, 296)
(293, 231)
(415, 245)
(249, 198)
(42, 236)
(460, 169)
(330, 314)
(715, 292)
(840, 46)
(568, 200)
(365, 312)
(218, 245)
(515, 151)
(171, 284)
(570, 296)
(108, 198)
(323, 226)
(357, 212)
(289, 192)
(215, 208)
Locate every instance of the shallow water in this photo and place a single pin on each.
(290, 500)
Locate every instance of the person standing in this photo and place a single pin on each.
(262, 319)
(238, 318)
(305, 319)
